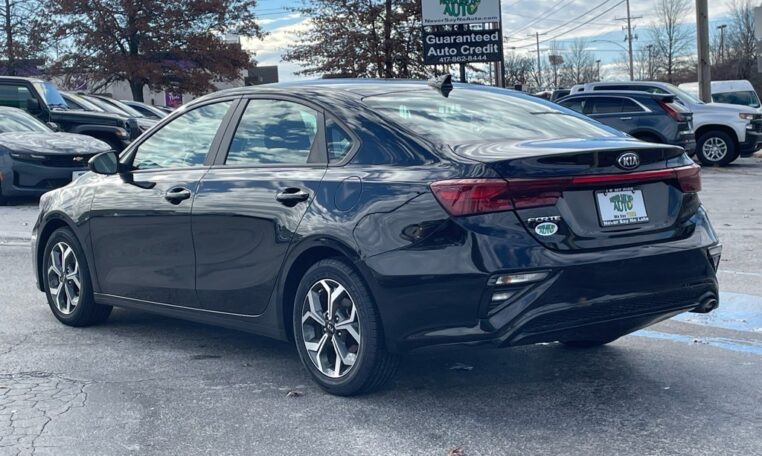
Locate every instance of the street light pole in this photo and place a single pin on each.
(629, 40)
(722, 28)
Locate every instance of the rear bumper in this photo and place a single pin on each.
(444, 296)
(687, 141)
(752, 143)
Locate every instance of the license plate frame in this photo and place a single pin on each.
(629, 209)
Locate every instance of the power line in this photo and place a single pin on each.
(573, 28)
(550, 11)
(600, 5)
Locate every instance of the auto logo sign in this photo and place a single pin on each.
(629, 160)
(447, 12)
(546, 229)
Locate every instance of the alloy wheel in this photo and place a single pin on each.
(63, 276)
(331, 328)
(715, 149)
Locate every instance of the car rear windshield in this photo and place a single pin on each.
(468, 115)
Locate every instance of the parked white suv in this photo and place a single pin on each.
(723, 131)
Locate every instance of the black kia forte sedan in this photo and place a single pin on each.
(364, 219)
(35, 159)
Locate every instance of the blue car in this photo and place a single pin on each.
(363, 219)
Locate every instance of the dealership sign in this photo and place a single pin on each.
(462, 47)
(448, 12)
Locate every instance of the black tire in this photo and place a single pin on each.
(588, 343)
(706, 157)
(86, 311)
(373, 365)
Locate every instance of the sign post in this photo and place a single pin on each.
(456, 31)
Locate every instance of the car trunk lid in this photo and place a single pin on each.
(575, 194)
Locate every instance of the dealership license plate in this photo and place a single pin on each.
(76, 174)
(621, 206)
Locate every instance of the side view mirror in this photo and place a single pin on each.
(33, 106)
(54, 126)
(106, 163)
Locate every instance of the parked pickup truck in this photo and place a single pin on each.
(43, 100)
(723, 131)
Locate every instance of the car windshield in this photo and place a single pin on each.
(51, 94)
(83, 103)
(132, 112)
(743, 98)
(105, 106)
(14, 120)
(473, 115)
(683, 95)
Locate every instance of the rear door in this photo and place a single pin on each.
(608, 110)
(252, 200)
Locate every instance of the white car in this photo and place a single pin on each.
(738, 92)
(723, 131)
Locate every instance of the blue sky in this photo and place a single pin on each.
(521, 18)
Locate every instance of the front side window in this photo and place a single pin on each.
(183, 142)
(273, 132)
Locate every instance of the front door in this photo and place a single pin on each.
(141, 220)
(251, 202)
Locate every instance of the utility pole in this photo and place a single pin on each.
(722, 28)
(539, 61)
(598, 70)
(629, 37)
(702, 43)
(650, 48)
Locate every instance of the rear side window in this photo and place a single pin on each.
(273, 132)
(339, 142)
(630, 106)
(577, 105)
(604, 105)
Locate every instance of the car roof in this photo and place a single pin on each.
(357, 87)
(20, 78)
(721, 86)
(623, 93)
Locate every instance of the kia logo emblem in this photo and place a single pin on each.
(629, 160)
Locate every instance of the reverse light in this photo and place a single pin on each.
(461, 197)
(517, 279)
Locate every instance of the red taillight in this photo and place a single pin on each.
(480, 196)
(671, 111)
(473, 196)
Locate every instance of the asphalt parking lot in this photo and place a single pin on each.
(143, 384)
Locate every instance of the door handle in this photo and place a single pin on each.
(625, 118)
(177, 194)
(292, 196)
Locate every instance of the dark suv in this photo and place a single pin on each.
(647, 116)
(43, 100)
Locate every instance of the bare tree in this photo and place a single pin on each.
(519, 69)
(19, 21)
(672, 38)
(579, 64)
(742, 45)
